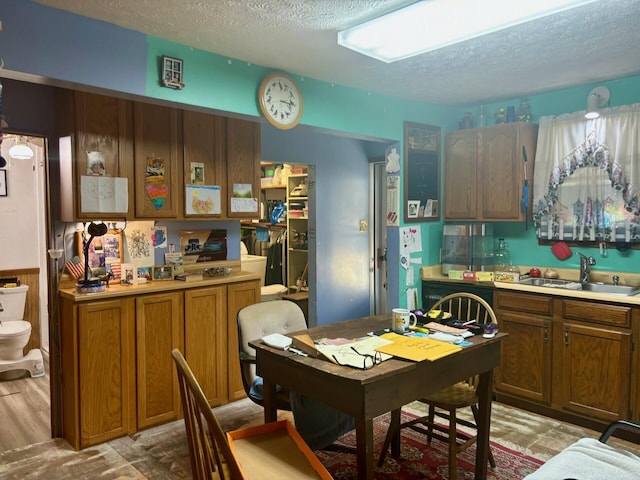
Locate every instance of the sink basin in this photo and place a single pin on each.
(550, 282)
(615, 289)
(587, 287)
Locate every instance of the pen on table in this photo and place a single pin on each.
(299, 352)
(419, 329)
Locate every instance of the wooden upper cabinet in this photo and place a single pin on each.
(460, 175)
(95, 134)
(158, 156)
(204, 146)
(243, 163)
(485, 172)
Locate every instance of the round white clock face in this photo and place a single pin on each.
(280, 101)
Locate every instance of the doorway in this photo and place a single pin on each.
(26, 210)
(378, 238)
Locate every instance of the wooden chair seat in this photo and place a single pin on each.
(260, 453)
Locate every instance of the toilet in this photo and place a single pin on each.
(258, 264)
(14, 335)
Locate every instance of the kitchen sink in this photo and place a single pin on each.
(615, 289)
(587, 287)
(550, 282)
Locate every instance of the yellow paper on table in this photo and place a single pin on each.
(416, 348)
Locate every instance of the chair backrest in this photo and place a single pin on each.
(260, 319)
(467, 306)
(209, 452)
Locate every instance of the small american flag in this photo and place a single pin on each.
(114, 268)
(75, 267)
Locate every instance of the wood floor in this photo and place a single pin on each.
(25, 411)
(25, 436)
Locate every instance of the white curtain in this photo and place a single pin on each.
(587, 176)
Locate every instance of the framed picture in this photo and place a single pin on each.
(413, 207)
(103, 251)
(162, 272)
(3, 183)
(172, 73)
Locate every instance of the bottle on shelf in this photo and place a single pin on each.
(502, 257)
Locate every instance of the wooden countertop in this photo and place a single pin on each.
(117, 290)
(435, 273)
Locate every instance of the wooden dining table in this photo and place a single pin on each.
(366, 394)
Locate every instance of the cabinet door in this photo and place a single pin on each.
(243, 163)
(238, 295)
(159, 321)
(525, 365)
(97, 140)
(499, 173)
(460, 175)
(596, 371)
(205, 340)
(501, 169)
(105, 371)
(204, 161)
(159, 188)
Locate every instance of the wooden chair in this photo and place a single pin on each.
(209, 452)
(446, 402)
(260, 319)
(263, 452)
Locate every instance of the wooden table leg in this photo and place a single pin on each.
(364, 445)
(484, 423)
(270, 410)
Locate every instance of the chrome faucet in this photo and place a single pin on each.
(585, 267)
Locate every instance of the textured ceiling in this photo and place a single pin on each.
(592, 43)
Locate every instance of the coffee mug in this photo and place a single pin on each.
(402, 319)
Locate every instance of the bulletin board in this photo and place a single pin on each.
(103, 251)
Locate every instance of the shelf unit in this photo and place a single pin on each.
(297, 231)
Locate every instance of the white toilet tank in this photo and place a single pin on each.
(12, 302)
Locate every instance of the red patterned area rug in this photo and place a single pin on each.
(419, 461)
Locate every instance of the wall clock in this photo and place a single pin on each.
(280, 101)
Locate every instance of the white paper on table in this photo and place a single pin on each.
(244, 204)
(104, 194)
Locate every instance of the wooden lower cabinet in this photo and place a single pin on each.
(118, 375)
(205, 340)
(596, 372)
(159, 325)
(525, 366)
(98, 376)
(569, 356)
(238, 295)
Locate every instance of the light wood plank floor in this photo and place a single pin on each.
(25, 411)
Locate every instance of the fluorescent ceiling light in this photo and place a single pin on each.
(432, 24)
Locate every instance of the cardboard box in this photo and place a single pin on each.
(484, 276)
(455, 274)
(275, 451)
(510, 277)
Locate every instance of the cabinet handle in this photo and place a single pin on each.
(566, 337)
(546, 335)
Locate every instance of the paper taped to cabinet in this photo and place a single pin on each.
(104, 194)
